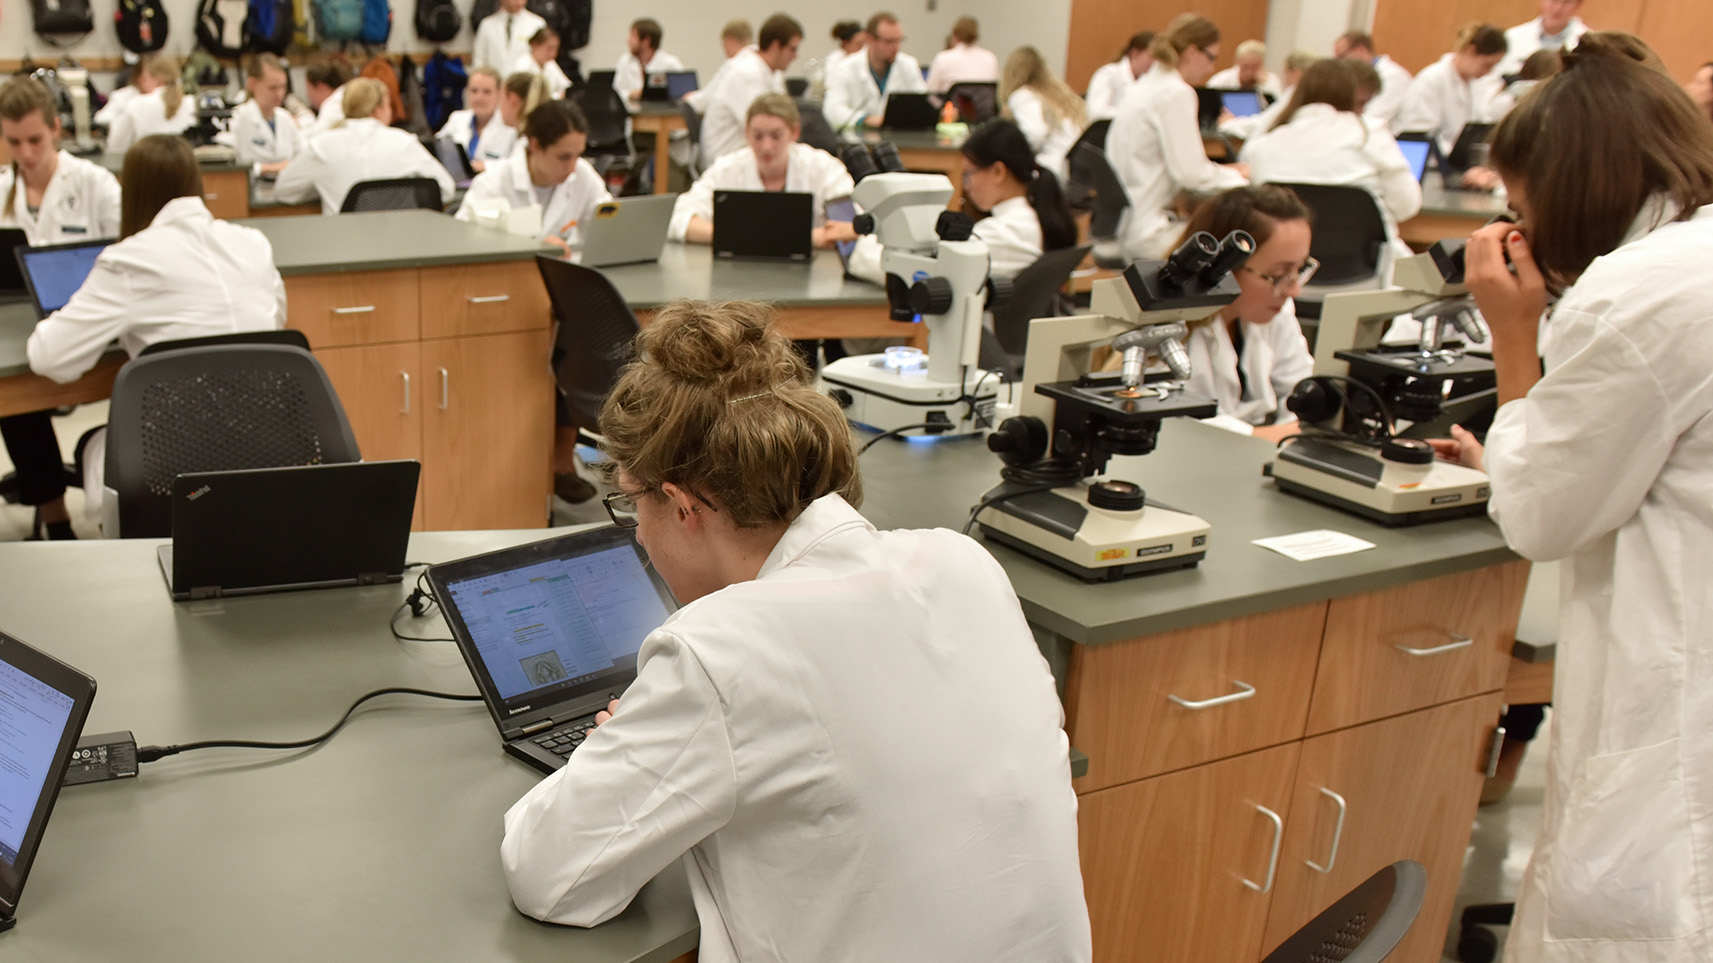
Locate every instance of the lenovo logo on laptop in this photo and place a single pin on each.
(193, 496)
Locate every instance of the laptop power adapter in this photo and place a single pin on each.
(102, 757)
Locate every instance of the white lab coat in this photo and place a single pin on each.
(1322, 145)
(1506, 100)
(629, 75)
(810, 171)
(186, 275)
(1230, 79)
(1607, 464)
(1275, 357)
(557, 82)
(1052, 142)
(1394, 87)
(146, 114)
(858, 756)
(116, 103)
(1012, 231)
(851, 94)
(725, 102)
(496, 141)
(1244, 128)
(1440, 102)
(493, 49)
(1107, 87)
(331, 112)
(81, 203)
(361, 150)
(962, 63)
(1155, 146)
(1524, 40)
(566, 207)
(257, 143)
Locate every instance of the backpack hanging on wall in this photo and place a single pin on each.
(338, 19)
(62, 22)
(303, 24)
(377, 22)
(437, 21)
(443, 82)
(141, 25)
(270, 25)
(220, 26)
(480, 9)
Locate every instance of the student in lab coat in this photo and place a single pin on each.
(362, 148)
(121, 97)
(748, 75)
(1155, 141)
(1320, 138)
(519, 96)
(1027, 214)
(1106, 88)
(483, 127)
(1043, 107)
(1540, 65)
(750, 748)
(1251, 353)
(1297, 63)
(1394, 79)
(541, 58)
(162, 110)
(1249, 73)
(773, 161)
(54, 198)
(642, 59)
(503, 36)
(963, 62)
(853, 98)
(1448, 93)
(324, 87)
(265, 133)
(1604, 463)
(848, 40)
(549, 171)
(1557, 28)
(736, 37)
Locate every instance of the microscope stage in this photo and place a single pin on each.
(1355, 478)
(886, 399)
(1060, 528)
(1152, 403)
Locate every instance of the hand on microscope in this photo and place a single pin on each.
(833, 231)
(1460, 449)
(1512, 297)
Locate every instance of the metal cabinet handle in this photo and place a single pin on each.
(1337, 832)
(211, 197)
(443, 379)
(491, 299)
(406, 376)
(1273, 860)
(1244, 691)
(363, 309)
(1459, 642)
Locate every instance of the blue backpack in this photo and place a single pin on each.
(443, 81)
(339, 19)
(270, 25)
(377, 21)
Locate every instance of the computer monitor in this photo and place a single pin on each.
(55, 272)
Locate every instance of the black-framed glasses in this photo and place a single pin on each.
(1284, 282)
(621, 505)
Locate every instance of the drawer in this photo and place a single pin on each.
(1178, 699)
(483, 299)
(1417, 645)
(359, 307)
(227, 193)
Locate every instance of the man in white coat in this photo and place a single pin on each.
(502, 38)
(1394, 79)
(857, 88)
(748, 75)
(642, 59)
(1557, 28)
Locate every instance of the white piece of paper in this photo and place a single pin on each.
(1320, 543)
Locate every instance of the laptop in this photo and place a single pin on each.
(43, 703)
(1209, 103)
(275, 529)
(843, 209)
(775, 225)
(1416, 152)
(909, 112)
(455, 159)
(1462, 153)
(11, 271)
(53, 273)
(673, 85)
(602, 78)
(1241, 103)
(550, 631)
(629, 230)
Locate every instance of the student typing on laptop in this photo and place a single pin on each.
(858, 86)
(54, 198)
(549, 172)
(486, 126)
(813, 733)
(773, 161)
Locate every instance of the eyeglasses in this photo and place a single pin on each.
(621, 505)
(1283, 283)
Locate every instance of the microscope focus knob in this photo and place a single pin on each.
(1019, 441)
(1117, 496)
(1406, 451)
(863, 223)
(931, 296)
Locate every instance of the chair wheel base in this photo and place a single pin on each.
(1477, 944)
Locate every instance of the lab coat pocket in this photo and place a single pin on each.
(1622, 863)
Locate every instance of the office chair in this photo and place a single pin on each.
(393, 194)
(1363, 927)
(594, 341)
(1108, 207)
(817, 133)
(796, 86)
(692, 129)
(213, 408)
(977, 103)
(287, 336)
(601, 78)
(1080, 173)
(609, 122)
(1349, 242)
(1035, 293)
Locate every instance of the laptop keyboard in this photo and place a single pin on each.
(563, 740)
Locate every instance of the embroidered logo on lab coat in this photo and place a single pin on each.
(69, 203)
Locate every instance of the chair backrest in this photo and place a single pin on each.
(596, 333)
(817, 133)
(601, 78)
(1349, 233)
(1110, 199)
(291, 336)
(393, 194)
(977, 103)
(1033, 292)
(216, 408)
(692, 127)
(1363, 927)
(1094, 134)
(608, 119)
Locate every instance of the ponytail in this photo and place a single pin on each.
(1057, 228)
(170, 74)
(1001, 142)
(1185, 31)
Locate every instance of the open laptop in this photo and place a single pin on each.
(550, 630)
(455, 159)
(628, 230)
(1417, 153)
(274, 529)
(843, 209)
(774, 225)
(43, 703)
(909, 112)
(53, 273)
(1241, 103)
(11, 271)
(673, 85)
(1209, 103)
(1462, 156)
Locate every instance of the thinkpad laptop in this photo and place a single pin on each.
(53, 273)
(550, 630)
(909, 112)
(775, 225)
(455, 159)
(43, 703)
(629, 230)
(275, 529)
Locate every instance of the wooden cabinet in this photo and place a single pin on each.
(355, 307)
(227, 193)
(381, 387)
(487, 431)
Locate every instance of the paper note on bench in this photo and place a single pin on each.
(1320, 543)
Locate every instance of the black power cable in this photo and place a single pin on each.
(152, 753)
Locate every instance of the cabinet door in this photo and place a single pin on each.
(485, 298)
(1417, 645)
(1168, 862)
(1403, 788)
(383, 393)
(488, 431)
(227, 193)
(356, 307)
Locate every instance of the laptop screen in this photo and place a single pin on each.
(55, 273)
(453, 157)
(680, 83)
(1416, 152)
(842, 209)
(1241, 103)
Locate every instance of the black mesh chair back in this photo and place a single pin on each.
(1080, 173)
(817, 133)
(394, 194)
(608, 119)
(1363, 927)
(596, 335)
(1094, 134)
(693, 128)
(1110, 199)
(976, 103)
(1349, 232)
(601, 78)
(1035, 293)
(215, 408)
(290, 336)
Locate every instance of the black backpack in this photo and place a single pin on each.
(141, 25)
(220, 26)
(57, 20)
(437, 21)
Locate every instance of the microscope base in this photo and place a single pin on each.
(885, 399)
(1060, 528)
(1356, 479)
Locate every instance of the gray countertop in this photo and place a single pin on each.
(691, 271)
(381, 240)
(115, 162)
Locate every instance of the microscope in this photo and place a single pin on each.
(935, 275)
(1054, 503)
(1352, 453)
